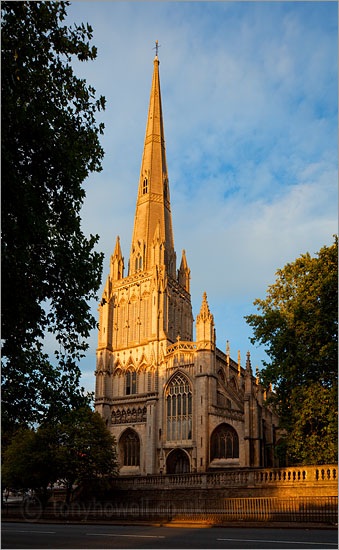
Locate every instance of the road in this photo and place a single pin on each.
(49, 535)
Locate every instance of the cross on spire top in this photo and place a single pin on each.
(157, 46)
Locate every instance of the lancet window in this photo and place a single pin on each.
(129, 447)
(131, 382)
(145, 316)
(221, 376)
(133, 309)
(179, 409)
(123, 324)
(224, 442)
(144, 186)
(138, 263)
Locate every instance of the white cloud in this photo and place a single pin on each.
(249, 100)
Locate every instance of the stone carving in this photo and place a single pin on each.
(129, 416)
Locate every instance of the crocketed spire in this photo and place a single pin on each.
(117, 262)
(153, 202)
(248, 363)
(205, 324)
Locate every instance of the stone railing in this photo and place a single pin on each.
(181, 346)
(300, 474)
(242, 477)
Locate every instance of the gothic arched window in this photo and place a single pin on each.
(131, 382)
(179, 409)
(224, 442)
(138, 262)
(144, 186)
(129, 446)
(221, 376)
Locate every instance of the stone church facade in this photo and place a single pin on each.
(173, 404)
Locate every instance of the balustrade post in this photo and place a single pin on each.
(251, 478)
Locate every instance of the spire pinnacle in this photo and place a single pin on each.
(184, 273)
(205, 325)
(117, 262)
(204, 310)
(248, 363)
(117, 250)
(228, 360)
(183, 264)
(153, 201)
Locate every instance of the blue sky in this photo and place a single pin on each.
(249, 93)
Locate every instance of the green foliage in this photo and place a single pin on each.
(77, 450)
(30, 461)
(50, 271)
(298, 326)
(86, 449)
(314, 421)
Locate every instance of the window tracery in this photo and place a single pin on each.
(224, 442)
(179, 409)
(129, 447)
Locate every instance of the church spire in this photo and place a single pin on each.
(153, 202)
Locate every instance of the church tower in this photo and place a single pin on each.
(143, 313)
(174, 405)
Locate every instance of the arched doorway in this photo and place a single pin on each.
(177, 462)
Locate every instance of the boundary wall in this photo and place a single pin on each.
(302, 495)
(241, 482)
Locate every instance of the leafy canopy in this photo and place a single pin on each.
(298, 325)
(50, 271)
(86, 450)
(79, 449)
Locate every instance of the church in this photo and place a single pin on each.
(175, 404)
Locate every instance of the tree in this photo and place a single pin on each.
(298, 325)
(30, 461)
(50, 270)
(86, 451)
(77, 450)
(314, 419)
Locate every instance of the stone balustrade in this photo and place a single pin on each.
(242, 477)
(181, 346)
(303, 473)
